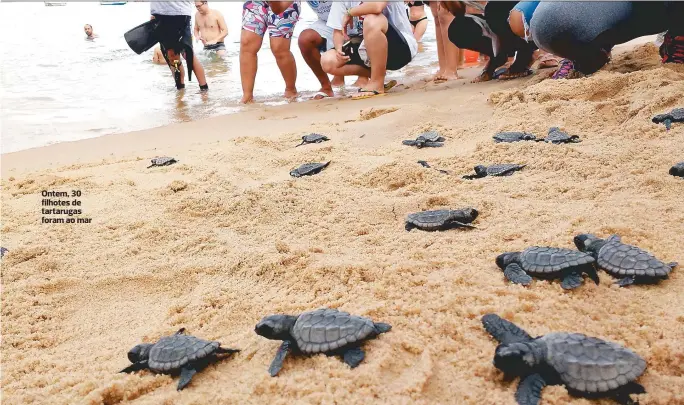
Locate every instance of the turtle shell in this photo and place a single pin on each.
(677, 170)
(513, 137)
(439, 219)
(589, 364)
(431, 136)
(325, 330)
(555, 135)
(676, 115)
(549, 260)
(622, 260)
(163, 161)
(173, 352)
(308, 169)
(314, 138)
(505, 169)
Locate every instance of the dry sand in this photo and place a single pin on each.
(225, 237)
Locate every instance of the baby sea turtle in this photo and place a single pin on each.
(547, 263)
(676, 115)
(313, 138)
(3, 251)
(440, 220)
(178, 353)
(513, 137)
(628, 263)
(677, 170)
(505, 169)
(162, 161)
(587, 366)
(426, 139)
(308, 169)
(557, 136)
(324, 330)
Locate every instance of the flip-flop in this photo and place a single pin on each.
(322, 96)
(371, 93)
(388, 86)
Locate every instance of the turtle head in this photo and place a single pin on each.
(140, 352)
(587, 242)
(514, 359)
(507, 258)
(481, 170)
(276, 327)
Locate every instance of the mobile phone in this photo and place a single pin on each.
(347, 48)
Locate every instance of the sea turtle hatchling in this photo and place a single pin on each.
(178, 353)
(547, 263)
(324, 330)
(677, 169)
(3, 252)
(676, 115)
(505, 169)
(162, 161)
(557, 136)
(513, 137)
(426, 139)
(313, 138)
(588, 367)
(308, 169)
(440, 220)
(628, 263)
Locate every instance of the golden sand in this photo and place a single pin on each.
(225, 236)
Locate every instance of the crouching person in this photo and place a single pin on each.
(388, 42)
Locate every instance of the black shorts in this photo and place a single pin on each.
(173, 31)
(398, 50)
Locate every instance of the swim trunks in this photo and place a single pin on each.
(257, 17)
(219, 46)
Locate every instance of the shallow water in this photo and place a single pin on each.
(57, 86)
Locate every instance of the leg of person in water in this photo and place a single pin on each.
(250, 43)
(286, 63)
(197, 67)
(447, 53)
(585, 32)
(310, 43)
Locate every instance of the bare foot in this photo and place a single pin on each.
(290, 94)
(322, 93)
(337, 81)
(247, 99)
(485, 76)
(360, 82)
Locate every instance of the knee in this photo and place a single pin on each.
(328, 62)
(374, 23)
(308, 39)
(249, 44)
(281, 52)
(517, 22)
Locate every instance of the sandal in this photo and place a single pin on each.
(566, 70)
(548, 61)
(508, 75)
(369, 94)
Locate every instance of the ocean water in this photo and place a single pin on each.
(57, 86)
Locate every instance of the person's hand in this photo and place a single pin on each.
(151, 17)
(341, 57)
(204, 41)
(346, 23)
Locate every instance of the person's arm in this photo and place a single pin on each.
(222, 26)
(198, 36)
(367, 8)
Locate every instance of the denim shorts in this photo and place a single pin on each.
(526, 8)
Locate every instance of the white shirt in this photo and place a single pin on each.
(172, 7)
(321, 8)
(395, 11)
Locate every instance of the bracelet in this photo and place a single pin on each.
(349, 12)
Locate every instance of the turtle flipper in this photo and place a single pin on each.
(354, 356)
(624, 282)
(409, 226)
(590, 269)
(433, 144)
(186, 375)
(516, 275)
(571, 281)
(381, 327)
(622, 396)
(668, 124)
(530, 389)
(277, 362)
(222, 350)
(152, 165)
(141, 365)
(672, 265)
(504, 331)
(303, 142)
(180, 331)
(409, 142)
(463, 224)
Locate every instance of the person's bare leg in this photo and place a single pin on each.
(516, 21)
(198, 70)
(286, 63)
(419, 30)
(374, 35)
(309, 43)
(452, 55)
(337, 81)
(360, 82)
(250, 43)
(441, 56)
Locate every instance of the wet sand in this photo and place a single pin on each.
(225, 236)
